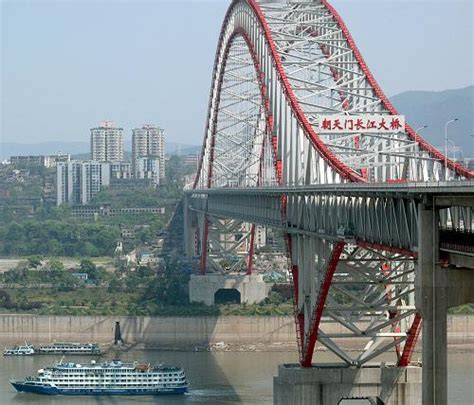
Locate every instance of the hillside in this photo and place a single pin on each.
(434, 109)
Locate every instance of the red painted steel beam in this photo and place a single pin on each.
(391, 249)
(410, 343)
(318, 311)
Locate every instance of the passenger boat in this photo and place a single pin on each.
(70, 348)
(113, 378)
(21, 350)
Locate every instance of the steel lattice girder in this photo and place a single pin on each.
(388, 219)
(278, 68)
(348, 284)
(378, 224)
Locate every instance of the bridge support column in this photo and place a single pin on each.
(329, 384)
(189, 232)
(432, 300)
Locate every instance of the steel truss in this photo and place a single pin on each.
(384, 216)
(279, 67)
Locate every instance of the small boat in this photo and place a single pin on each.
(70, 348)
(21, 350)
(113, 378)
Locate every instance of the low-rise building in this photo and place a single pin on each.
(94, 212)
(81, 276)
(131, 231)
(39, 160)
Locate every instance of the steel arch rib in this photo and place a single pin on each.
(243, 34)
(339, 167)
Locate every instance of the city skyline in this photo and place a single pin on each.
(54, 91)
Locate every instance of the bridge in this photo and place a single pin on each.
(377, 224)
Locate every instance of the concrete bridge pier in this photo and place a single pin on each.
(432, 300)
(250, 289)
(438, 287)
(332, 384)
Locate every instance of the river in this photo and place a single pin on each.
(215, 377)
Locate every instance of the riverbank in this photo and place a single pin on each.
(9, 263)
(226, 333)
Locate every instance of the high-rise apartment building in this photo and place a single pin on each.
(77, 182)
(148, 141)
(107, 143)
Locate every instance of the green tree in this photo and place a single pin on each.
(96, 274)
(55, 265)
(34, 261)
(115, 285)
(168, 288)
(5, 299)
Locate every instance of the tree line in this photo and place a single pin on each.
(58, 238)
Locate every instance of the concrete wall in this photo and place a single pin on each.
(176, 331)
(460, 329)
(150, 331)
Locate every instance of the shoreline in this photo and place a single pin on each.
(209, 333)
(222, 347)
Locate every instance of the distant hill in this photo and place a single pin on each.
(8, 149)
(79, 150)
(420, 108)
(434, 109)
(181, 149)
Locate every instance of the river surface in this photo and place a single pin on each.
(215, 377)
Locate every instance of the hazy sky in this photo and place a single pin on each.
(66, 65)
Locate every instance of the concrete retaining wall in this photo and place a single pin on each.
(150, 331)
(176, 331)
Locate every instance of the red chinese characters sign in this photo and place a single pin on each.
(361, 123)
